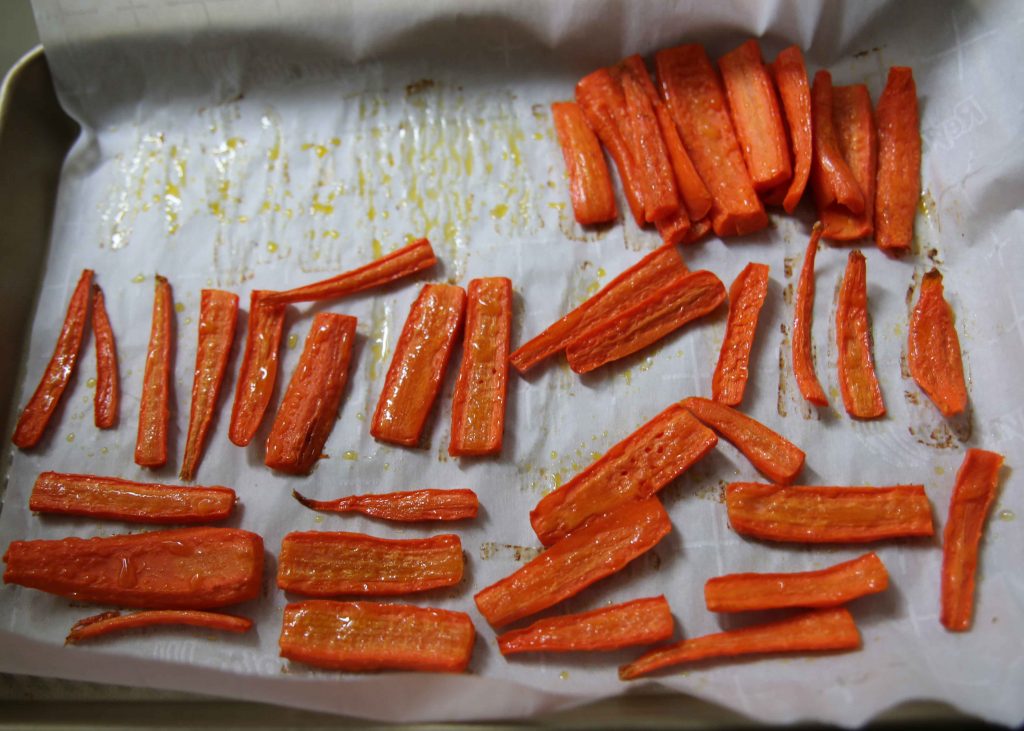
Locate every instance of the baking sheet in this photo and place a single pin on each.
(269, 144)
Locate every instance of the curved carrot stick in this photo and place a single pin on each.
(109, 622)
(405, 507)
(862, 395)
(831, 177)
(899, 162)
(790, 76)
(746, 297)
(258, 372)
(933, 353)
(803, 313)
(108, 392)
(855, 129)
(590, 185)
(154, 403)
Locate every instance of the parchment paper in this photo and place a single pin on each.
(267, 144)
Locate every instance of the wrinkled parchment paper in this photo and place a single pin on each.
(249, 145)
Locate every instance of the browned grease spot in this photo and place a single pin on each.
(417, 87)
(520, 554)
(911, 396)
(864, 54)
(783, 345)
(788, 265)
(787, 294)
(713, 492)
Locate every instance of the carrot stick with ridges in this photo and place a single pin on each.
(405, 507)
(833, 181)
(112, 622)
(590, 185)
(107, 399)
(899, 162)
(854, 124)
(154, 403)
(746, 297)
(258, 372)
(790, 75)
(803, 312)
(858, 383)
(933, 353)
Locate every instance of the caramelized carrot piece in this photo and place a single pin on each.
(110, 622)
(833, 181)
(258, 372)
(790, 75)
(862, 396)
(418, 365)
(661, 312)
(107, 398)
(818, 630)
(803, 313)
(674, 228)
(698, 230)
(360, 636)
(317, 563)
(218, 315)
(310, 405)
(746, 297)
(478, 406)
(590, 185)
(933, 354)
(634, 469)
(854, 124)
(693, 92)
(972, 497)
(184, 568)
(154, 404)
(652, 272)
(639, 622)
(829, 587)
(814, 514)
(773, 455)
(598, 549)
(39, 409)
(899, 162)
(405, 507)
(137, 502)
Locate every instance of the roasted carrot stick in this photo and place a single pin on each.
(639, 622)
(933, 354)
(185, 568)
(899, 162)
(634, 469)
(107, 398)
(790, 77)
(803, 313)
(403, 262)
(318, 563)
(674, 228)
(862, 396)
(404, 507)
(590, 185)
(652, 272)
(698, 230)
(110, 622)
(854, 124)
(818, 630)
(814, 514)
(773, 455)
(258, 372)
(598, 549)
(39, 409)
(659, 313)
(154, 404)
(973, 493)
(310, 405)
(418, 365)
(359, 636)
(829, 587)
(218, 315)
(136, 502)
(478, 406)
(746, 297)
(695, 195)
(694, 95)
(833, 181)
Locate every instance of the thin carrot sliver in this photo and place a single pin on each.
(854, 124)
(258, 372)
(833, 181)
(746, 297)
(404, 507)
(590, 185)
(933, 352)
(107, 399)
(899, 162)
(154, 403)
(803, 312)
(790, 76)
(112, 622)
(858, 383)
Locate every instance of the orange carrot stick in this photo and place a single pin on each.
(310, 405)
(107, 398)
(590, 185)
(933, 354)
(818, 630)
(405, 507)
(360, 636)
(39, 409)
(258, 372)
(110, 622)
(803, 313)
(639, 622)
(829, 587)
(862, 396)
(773, 455)
(854, 124)
(674, 228)
(972, 497)
(899, 162)
(833, 181)
(790, 76)
(154, 404)
(634, 469)
(698, 230)
(185, 568)
(746, 297)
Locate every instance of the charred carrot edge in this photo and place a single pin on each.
(154, 403)
(39, 409)
(696, 100)
(639, 622)
(803, 312)
(137, 502)
(933, 353)
(829, 587)
(110, 622)
(186, 568)
(590, 185)
(773, 455)
(858, 383)
(746, 297)
(405, 507)
(310, 404)
(818, 630)
(218, 316)
(360, 636)
(258, 372)
(854, 123)
(478, 406)
(318, 563)
(973, 494)
(833, 181)
(816, 514)
(665, 310)
(403, 262)
(598, 549)
(649, 274)
(634, 469)
(790, 76)
(418, 365)
(899, 162)
(107, 399)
